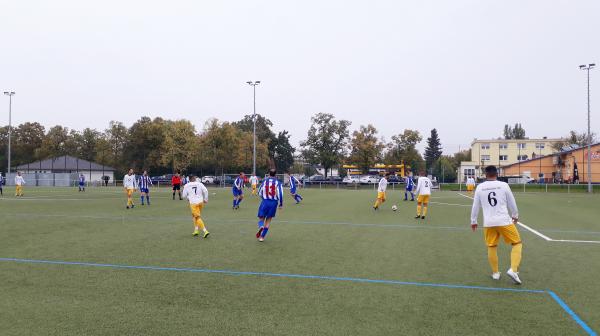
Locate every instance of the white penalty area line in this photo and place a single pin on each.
(543, 236)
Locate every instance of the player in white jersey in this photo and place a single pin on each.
(254, 184)
(470, 184)
(130, 185)
(381, 191)
(19, 183)
(500, 216)
(197, 195)
(423, 192)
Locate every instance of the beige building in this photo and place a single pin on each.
(501, 152)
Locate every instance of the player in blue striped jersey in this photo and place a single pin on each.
(238, 191)
(145, 182)
(81, 182)
(271, 193)
(410, 185)
(294, 183)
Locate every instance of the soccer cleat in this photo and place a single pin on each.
(260, 230)
(514, 276)
(375, 208)
(196, 233)
(422, 217)
(127, 207)
(496, 276)
(261, 239)
(132, 206)
(417, 217)
(206, 233)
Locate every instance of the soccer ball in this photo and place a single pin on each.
(394, 207)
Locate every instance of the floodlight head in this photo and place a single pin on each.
(249, 82)
(257, 82)
(592, 65)
(582, 67)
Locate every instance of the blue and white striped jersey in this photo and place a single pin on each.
(238, 183)
(271, 189)
(409, 182)
(145, 182)
(293, 182)
(81, 179)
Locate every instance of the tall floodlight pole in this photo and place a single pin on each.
(589, 156)
(254, 84)
(9, 94)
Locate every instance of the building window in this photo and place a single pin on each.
(485, 158)
(485, 146)
(469, 172)
(540, 145)
(522, 157)
(503, 146)
(503, 157)
(521, 145)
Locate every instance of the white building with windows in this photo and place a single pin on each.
(502, 152)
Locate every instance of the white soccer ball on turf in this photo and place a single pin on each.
(394, 207)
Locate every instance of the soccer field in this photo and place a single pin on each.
(81, 264)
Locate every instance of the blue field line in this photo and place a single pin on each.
(571, 313)
(554, 296)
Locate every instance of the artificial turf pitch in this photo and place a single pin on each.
(330, 266)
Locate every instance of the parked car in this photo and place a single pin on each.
(208, 179)
(369, 179)
(227, 180)
(395, 179)
(351, 179)
(316, 179)
(334, 179)
(163, 179)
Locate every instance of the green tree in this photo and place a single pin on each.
(144, 144)
(365, 147)
(55, 143)
(402, 148)
(27, 137)
(283, 152)
(445, 169)
(217, 143)
(179, 146)
(433, 150)
(326, 141)
(516, 132)
(574, 138)
(116, 136)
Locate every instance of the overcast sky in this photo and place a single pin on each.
(463, 67)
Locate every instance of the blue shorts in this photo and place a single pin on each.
(293, 190)
(144, 190)
(237, 192)
(409, 188)
(81, 184)
(267, 209)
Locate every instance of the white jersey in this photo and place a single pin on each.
(253, 180)
(423, 186)
(471, 181)
(496, 199)
(129, 181)
(382, 185)
(195, 192)
(19, 180)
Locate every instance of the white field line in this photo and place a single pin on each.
(543, 236)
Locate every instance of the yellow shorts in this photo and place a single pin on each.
(423, 198)
(381, 195)
(509, 232)
(129, 192)
(253, 187)
(470, 187)
(196, 209)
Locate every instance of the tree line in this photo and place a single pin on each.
(164, 146)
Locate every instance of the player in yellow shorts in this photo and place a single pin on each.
(130, 185)
(19, 182)
(381, 191)
(254, 183)
(423, 192)
(197, 195)
(470, 184)
(497, 200)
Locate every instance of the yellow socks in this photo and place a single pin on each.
(418, 210)
(199, 223)
(425, 210)
(376, 205)
(493, 258)
(515, 256)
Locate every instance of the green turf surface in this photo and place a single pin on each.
(333, 233)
